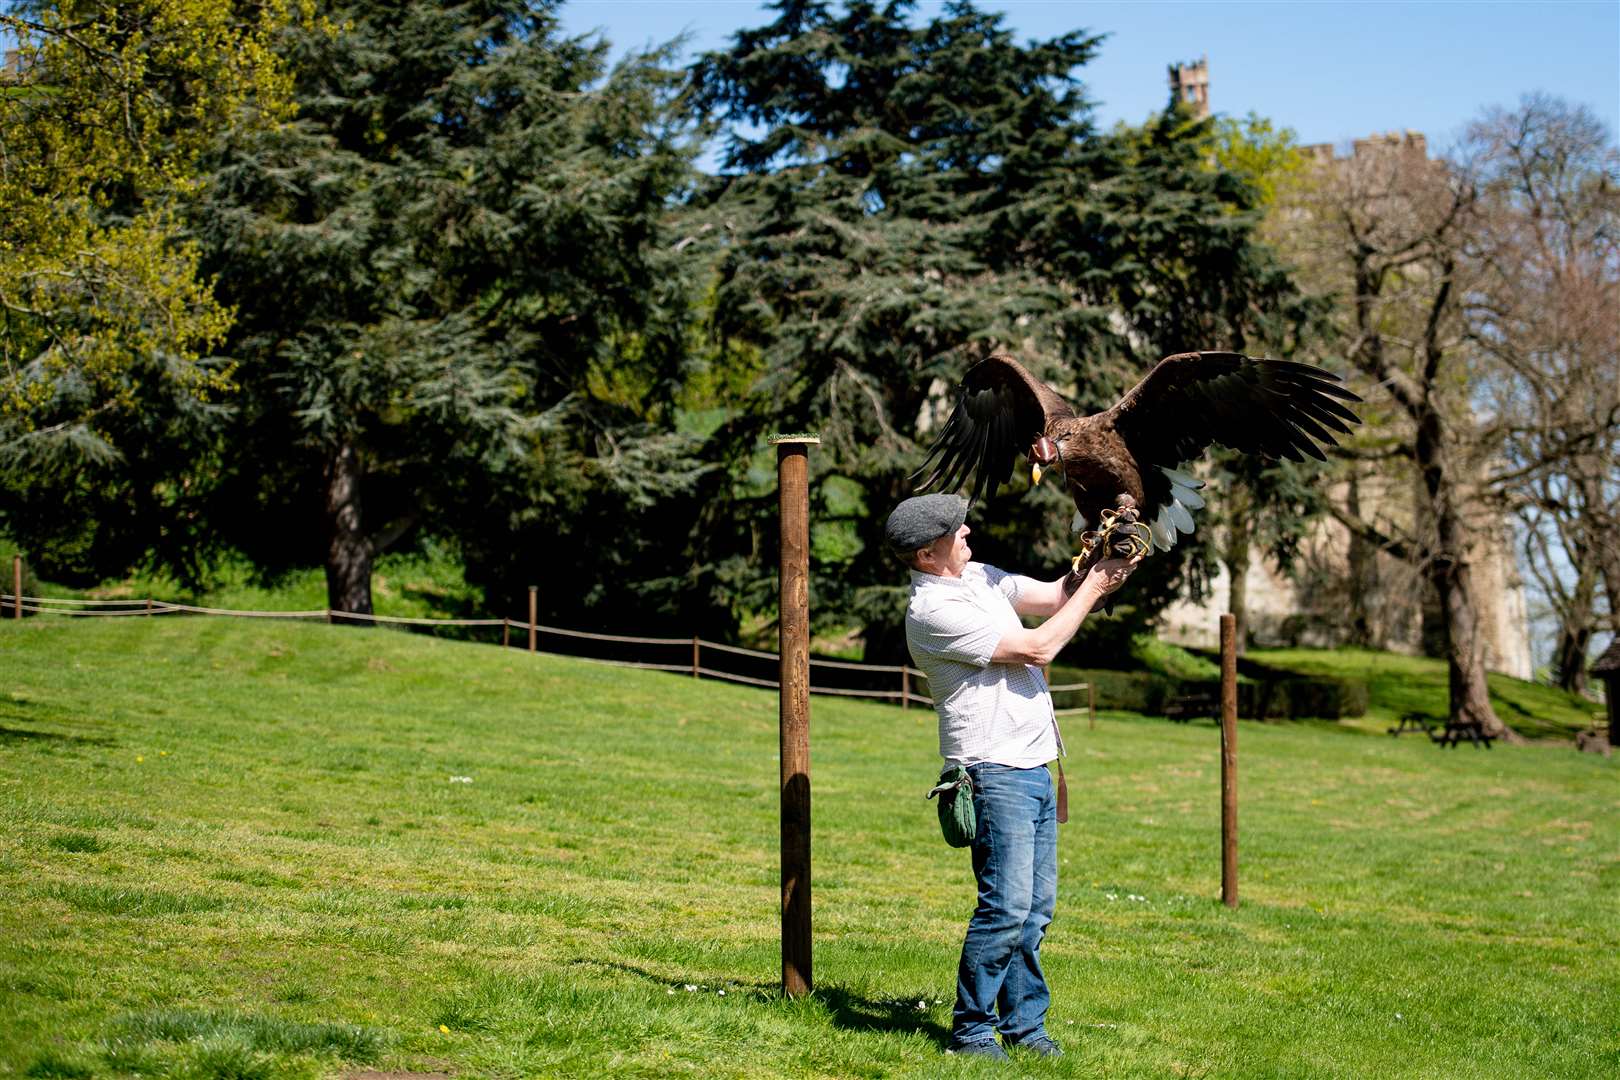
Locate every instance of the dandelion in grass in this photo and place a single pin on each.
(444, 1029)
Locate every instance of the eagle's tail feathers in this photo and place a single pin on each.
(1180, 479)
(1175, 516)
(1179, 515)
(1164, 536)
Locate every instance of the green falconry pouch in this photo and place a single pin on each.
(956, 817)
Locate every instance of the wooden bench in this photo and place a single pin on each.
(1458, 730)
(1186, 707)
(1414, 721)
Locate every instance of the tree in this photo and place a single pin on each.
(904, 198)
(1544, 316)
(1269, 505)
(103, 311)
(1390, 226)
(446, 271)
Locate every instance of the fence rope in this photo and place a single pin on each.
(141, 606)
(8, 598)
(414, 622)
(609, 637)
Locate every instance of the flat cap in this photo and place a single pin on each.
(922, 519)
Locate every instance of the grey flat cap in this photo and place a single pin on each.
(922, 519)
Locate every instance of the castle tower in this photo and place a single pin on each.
(1190, 83)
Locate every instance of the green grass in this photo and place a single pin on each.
(425, 583)
(234, 849)
(1399, 684)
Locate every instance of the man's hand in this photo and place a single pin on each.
(1103, 578)
(1110, 574)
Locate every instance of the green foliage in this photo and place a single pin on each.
(101, 294)
(617, 844)
(1266, 157)
(906, 197)
(1156, 655)
(452, 265)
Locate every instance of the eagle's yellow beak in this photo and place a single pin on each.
(1035, 474)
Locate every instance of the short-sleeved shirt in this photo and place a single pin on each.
(1000, 713)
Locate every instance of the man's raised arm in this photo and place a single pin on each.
(1041, 644)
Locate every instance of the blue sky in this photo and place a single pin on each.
(1330, 71)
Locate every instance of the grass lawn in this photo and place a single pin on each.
(240, 849)
(1399, 684)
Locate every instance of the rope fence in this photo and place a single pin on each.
(752, 662)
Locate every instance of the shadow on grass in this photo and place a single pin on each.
(845, 1009)
(856, 1013)
(21, 735)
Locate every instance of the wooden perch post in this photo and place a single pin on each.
(1229, 882)
(793, 495)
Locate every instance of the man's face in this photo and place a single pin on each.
(947, 556)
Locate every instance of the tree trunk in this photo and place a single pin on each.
(1575, 627)
(1452, 575)
(348, 552)
(1569, 658)
(1363, 571)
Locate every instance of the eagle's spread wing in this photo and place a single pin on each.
(1000, 410)
(1272, 407)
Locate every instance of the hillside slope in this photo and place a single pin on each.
(263, 849)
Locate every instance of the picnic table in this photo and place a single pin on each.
(1458, 730)
(1414, 721)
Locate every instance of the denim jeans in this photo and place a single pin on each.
(999, 983)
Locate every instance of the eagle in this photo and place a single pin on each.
(1126, 467)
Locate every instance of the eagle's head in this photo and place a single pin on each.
(1042, 452)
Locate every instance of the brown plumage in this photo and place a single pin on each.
(1138, 447)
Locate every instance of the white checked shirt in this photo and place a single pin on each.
(1000, 713)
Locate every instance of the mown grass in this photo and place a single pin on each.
(428, 582)
(1400, 684)
(234, 849)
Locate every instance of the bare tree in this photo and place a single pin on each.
(1544, 318)
(1388, 230)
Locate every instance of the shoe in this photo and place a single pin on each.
(985, 1048)
(1041, 1045)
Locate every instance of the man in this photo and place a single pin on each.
(996, 720)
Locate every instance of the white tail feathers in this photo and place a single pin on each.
(1176, 515)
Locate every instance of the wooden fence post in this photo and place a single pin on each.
(506, 633)
(534, 620)
(16, 586)
(905, 687)
(1229, 882)
(695, 656)
(793, 502)
(1091, 704)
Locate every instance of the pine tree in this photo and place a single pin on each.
(442, 269)
(108, 371)
(907, 197)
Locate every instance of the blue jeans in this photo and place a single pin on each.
(999, 983)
